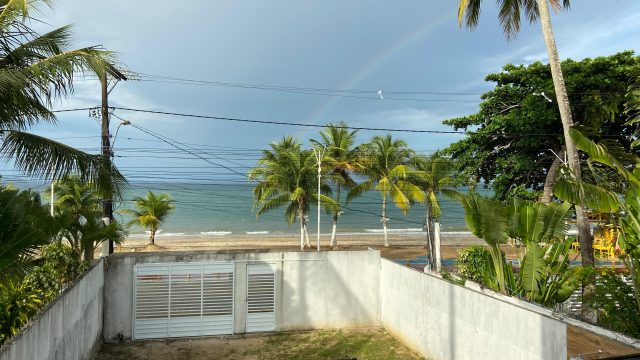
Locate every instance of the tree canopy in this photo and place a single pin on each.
(516, 135)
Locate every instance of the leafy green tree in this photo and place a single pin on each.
(434, 176)
(534, 10)
(57, 265)
(385, 165)
(36, 70)
(286, 176)
(150, 211)
(508, 162)
(342, 159)
(86, 235)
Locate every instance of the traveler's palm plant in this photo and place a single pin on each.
(384, 163)
(545, 275)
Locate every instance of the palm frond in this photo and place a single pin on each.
(41, 157)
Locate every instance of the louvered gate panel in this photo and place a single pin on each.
(151, 292)
(260, 297)
(217, 300)
(185, 309)
(175, 300)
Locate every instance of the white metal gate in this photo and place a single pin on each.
(260, 297)
(190, 299)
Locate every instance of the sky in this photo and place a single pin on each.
(358, 45)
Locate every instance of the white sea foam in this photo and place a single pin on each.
(256, 232)
(395, 231)
(215, 233)
(171, 234)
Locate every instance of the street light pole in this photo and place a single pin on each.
(319, 155)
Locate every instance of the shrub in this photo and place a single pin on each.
(616, 305)
(58, 266)
(473, 262)
(18, 303)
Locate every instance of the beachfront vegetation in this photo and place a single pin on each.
(342, 159)
(36, 70)
(386, 168)
(286, 177)
(149, 212)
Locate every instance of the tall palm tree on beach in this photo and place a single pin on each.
(150, 211)
(35, 71)
(510, 18)
(434, 175)
(286, 177)
(384, 162)
(342, 160)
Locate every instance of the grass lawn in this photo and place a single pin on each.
(361, 344)
(370, 344)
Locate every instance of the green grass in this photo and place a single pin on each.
(368, 344)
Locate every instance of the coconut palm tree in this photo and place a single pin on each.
(35, 71)
(150, 211)
(510, 18)
(342, 160)
(286, 177)
(433, 174)
(85, 236)
(384, 162)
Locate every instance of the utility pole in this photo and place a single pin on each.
(107, 203)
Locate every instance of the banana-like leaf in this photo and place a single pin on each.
(596, 197)
(532, 268)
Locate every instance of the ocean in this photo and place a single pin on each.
(226, 209)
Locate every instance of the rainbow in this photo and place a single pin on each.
(379, 60)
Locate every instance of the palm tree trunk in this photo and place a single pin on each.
(384, 220)
(427, 223)
(306, 234)
(552, 176)
(152, 237)
(584, 233)
(335, 219)
(301, 212)
(88, 253)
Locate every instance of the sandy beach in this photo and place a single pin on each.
(402, 246)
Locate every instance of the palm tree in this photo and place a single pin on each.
(385, 165)
(509, 15)
(150, 211)
(25, 226)
(341, 158)
(76, 197)
(85, 236)
(433, 174)
(35, 71)
(286, 176)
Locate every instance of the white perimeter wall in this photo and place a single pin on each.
(69, 329)
(314, 290)
(446, 321)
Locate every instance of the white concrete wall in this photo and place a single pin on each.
(314, 290)
(446, 321)
(68, 329)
